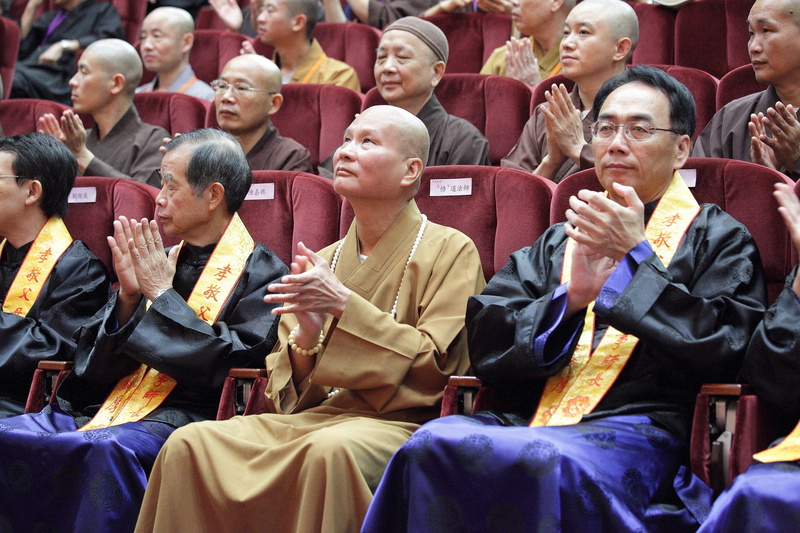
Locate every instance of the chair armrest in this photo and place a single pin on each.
(237, 391)
(46, 379)
(722, 439)
(459, 395)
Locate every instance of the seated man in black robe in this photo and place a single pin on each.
(610, 323)
(50, 285)
(50, 44)
(158, 352)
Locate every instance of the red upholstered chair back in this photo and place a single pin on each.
(313, 115)
(498, 106)
(737, 83)
(9, 36)
(20, 115)
(703, 87)
(657, 34)
(176, 113)
(472, 37)
(737, 33)
(743, 190)
(507, 210)
(95, 202)
(132, 13)
(352, 43)
(207, 19)
(286, 207)
(211, 51)
(545, 85)
(701, 37)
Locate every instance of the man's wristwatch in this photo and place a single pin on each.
(66, 45)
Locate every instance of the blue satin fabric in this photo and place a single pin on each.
(53, 478)
(763, 499)
(472, 474)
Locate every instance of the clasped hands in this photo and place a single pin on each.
(69, 130)
(311, 292)
(142, 267)
(605, 232)
(775, 137)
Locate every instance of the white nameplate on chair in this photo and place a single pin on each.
(261, 191)
(689, 176)
(452, 187)
(82, 195)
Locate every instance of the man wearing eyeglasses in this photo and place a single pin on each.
(119, 145)
(607, 326)
(247, 94)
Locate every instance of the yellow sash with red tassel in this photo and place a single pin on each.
(140, 393)
(578, 387)
(51, 242)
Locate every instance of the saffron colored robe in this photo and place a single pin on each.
(313, 464)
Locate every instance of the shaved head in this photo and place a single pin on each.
(178, 19)
(258, 66)
(411, 132)
(620, 17)
(115, 56)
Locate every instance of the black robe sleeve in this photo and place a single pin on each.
(76, 289)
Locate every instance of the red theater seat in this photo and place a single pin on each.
(175, 112)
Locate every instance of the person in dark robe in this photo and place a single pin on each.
(763, 498)
(248, 93)
(599, 38)
(68, 288)
(610, 323)
(408, 83)
(155, 357)
(381, 14)
(119, 145)
(763, 127)
(50, 44)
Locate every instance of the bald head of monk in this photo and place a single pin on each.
(382, 156)
(166, 40)
(108, 73)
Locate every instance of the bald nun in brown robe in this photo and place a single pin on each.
(348, 381)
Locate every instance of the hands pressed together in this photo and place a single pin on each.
(605, 232)
(775, 137)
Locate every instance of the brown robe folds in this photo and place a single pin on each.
(275, 152)
(454, 141)
(728, 136)
(314, 465)
(532, 145)
(129, 150)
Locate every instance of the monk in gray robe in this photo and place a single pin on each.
(372, 327)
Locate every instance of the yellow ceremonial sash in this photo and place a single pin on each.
(140, 393)
(51, 242)
(787, 450)
(578, 387)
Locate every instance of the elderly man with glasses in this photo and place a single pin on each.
(248, 92)
(609, 324)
